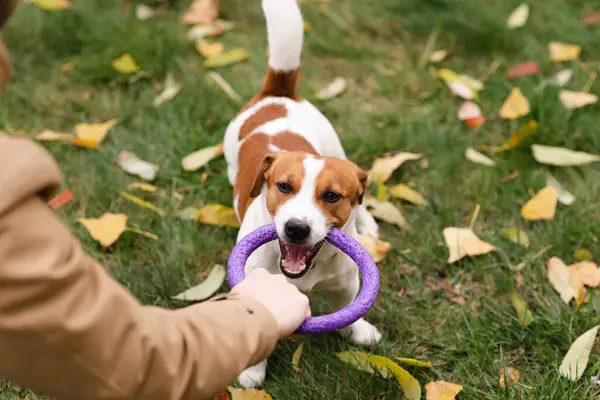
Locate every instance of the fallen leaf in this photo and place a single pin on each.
(222, 396)
(575, 362)
(125, 64)
(458, 84)
(61, 199)
(146, 187)
(384, 167)
(143, 203)
(404, 192)
(227, 58)
(586, 272)
(518, 17)
(51, 136)
(106, 229)
(68, 67)
(170, 90)
(212, 30)
(52, 5)
(541, 206)
(478, 158)
(383, 193)
(470, 113)
(358, 360)
(526, 68)
(209, 49)
(143, 233)
(189, 213)
(516, 236)
(201, 12)
(564, 197)
(414, 363)
(224, 85)
(207, 288)
(438, 56)
(386, 211)
(561, 157)
(143, 12)
(133, 165)
(515, 106)
(558, 274)
(248, 394)
(200, 158)
(518, 136)
(332, 90)
(583, 255)
(440, 390)
(475, 84)
(296, 357)
(377, 248)
(523, 312)
(217, 214)
(572, 100)
(509, 376)
(94, 133)
(560, 52)
(463, 242)
(561, 78)
(592, 19)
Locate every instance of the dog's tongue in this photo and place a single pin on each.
(295, 260)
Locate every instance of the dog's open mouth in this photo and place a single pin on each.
(296, 260)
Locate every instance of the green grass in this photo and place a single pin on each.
(390, 105)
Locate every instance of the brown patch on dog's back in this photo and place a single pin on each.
(267, 113)
(277, 84)
(290, 141)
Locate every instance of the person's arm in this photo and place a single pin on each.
(69, 330)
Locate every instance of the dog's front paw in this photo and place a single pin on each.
(254, 376)
(362, 333)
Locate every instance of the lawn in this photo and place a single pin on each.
(458, 316)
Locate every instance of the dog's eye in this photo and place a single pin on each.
(331, 197)
(284, 187)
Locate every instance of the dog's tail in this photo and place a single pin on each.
(285, 30)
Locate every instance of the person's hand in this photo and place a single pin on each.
(284, 300)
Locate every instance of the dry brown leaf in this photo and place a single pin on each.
(384, 167)
(94, 133)
(592, 19)
(106, 229)
(541, 206)
(377, 248)
(463, 242)
(572, 100)
(386, 211)
(61, 199)
(558, 274)
(218, 214)
(209, 49)
(440, 390)
(586, 272)
(518, 136)
(509, 376)
(201, 12)
(515, 106)
(248, 394)
(560, 52)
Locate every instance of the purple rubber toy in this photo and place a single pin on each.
(325, 323)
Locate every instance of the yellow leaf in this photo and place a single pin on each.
(541, 206)
(516, 236)
(586, 272)
(414, 363)
(94, 133)
(561, 157)
(105, 229)
(463, 242)
(509, 376)
(558, 274)
(572, 100)
(200, 158)
(523, 312)
(358, 360)
(189, 213)
(382, 192)
(386, 211)
(217, 214)
(518, 17)
(438, 56)
(377, 248)
(143, 203)
(224, 85)
(229, 57)
(209, 49)
(478, 158)
(332, 90)
(575, 362)
(215, 29)
(51, 136)
(440, 390)
(560, 52)
(384, 167)
(133, 165)
(52, 5)
(515, 106)
(518, 136)
(201, 12)
(461, 86)
(170, 90)
(296, 357)
(248, 394)
(125, 64)
(404, 192)
(143, 186)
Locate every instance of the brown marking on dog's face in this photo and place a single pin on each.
(264, 114)
(285, 169)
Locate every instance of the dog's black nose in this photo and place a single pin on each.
(296, 230)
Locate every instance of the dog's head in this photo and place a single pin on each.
(307, 195)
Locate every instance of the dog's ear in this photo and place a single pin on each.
(259, 180)
(362, 180)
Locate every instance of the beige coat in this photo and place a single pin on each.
(67, 329)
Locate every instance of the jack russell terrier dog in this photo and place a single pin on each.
(287, 165)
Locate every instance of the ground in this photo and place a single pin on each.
(394, 102)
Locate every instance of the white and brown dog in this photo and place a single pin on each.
(287, 165)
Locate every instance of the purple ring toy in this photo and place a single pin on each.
(344, 242)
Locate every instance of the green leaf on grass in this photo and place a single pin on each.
(516, 236)
(296, 357)
(523, 312)
(413, 362)
(229, 57)
(207, 288)
(143, 203)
